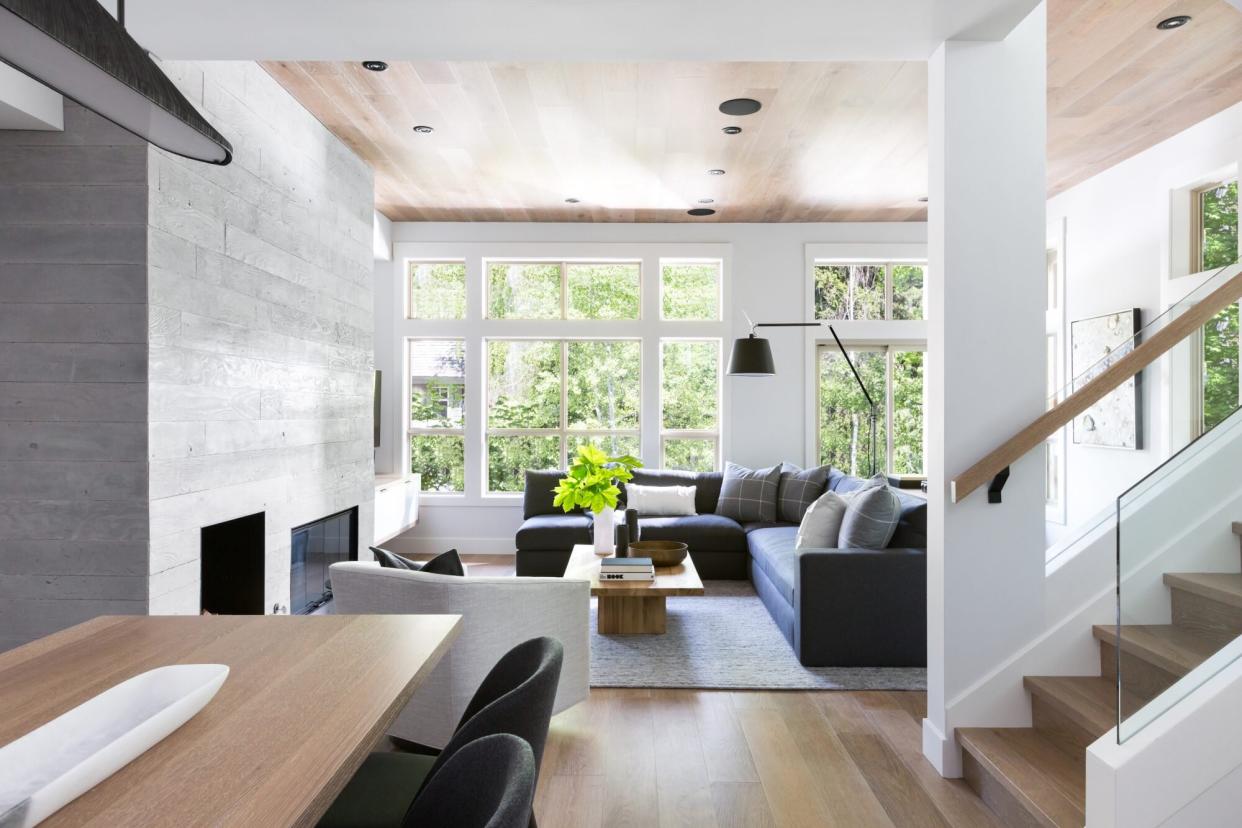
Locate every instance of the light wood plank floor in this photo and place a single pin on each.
(706, 758)
(648, 758)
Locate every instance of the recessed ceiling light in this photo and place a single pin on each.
(374, 65)
(707, 201)
(701, 211)
(1173, 22)
(740, 106)
(731, 130)
(423, 129)
(715, 172)
(572, 200)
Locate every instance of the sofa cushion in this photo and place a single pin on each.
(556, 533)
(391, 560)
(870, 519)
(821, 527)
(749, 494)
(669, 501)
(446, 563)
(912, 526)
(702, 533)
(772, 550)
(706, 485)
(539, 493)
(798, 489)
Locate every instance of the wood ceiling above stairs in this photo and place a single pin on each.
(1036, 776)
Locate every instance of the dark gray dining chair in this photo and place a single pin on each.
(515, 697)
(487, 783)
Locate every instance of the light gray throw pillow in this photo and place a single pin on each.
(871, 519)
(821, 525)
(748, 495)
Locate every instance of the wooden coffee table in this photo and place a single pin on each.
(633, 607)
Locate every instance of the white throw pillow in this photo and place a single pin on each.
(660, 501)
(821, 525)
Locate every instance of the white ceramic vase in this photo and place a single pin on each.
(604, 531)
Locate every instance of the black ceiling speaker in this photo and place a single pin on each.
(740, 106)
(1173, 22)
(702, 211)
(78, 49)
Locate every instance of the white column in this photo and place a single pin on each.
(985, 376)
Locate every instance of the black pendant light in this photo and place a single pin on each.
(78, 49)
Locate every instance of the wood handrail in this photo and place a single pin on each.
(1144, 354)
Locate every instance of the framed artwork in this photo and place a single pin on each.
(1096, 343)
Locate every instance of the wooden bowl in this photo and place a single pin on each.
(662, 553)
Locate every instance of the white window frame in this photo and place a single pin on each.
(408, 295)
(671, 260)
(888, 285)
(411, 430)
(694, 434)
(476, 328)
(1056, 327)
(563, 430)
(563, 264)
(908, 334)
(889, 350)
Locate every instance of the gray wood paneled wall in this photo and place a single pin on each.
(73, 376)
(180, 345)
(261, 321)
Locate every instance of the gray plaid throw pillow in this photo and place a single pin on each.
(749, 495)
(798, 489)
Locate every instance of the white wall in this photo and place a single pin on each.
(985, 368)
(1120, 254)
(764, 420)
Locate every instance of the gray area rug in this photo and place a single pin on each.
(726, 640)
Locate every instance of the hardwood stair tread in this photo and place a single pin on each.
(1089, 701)
(1237, 528)
(1224, 587)
(1170, 648)
(1043, 779)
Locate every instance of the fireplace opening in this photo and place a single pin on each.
(232, 565)
(315, 547)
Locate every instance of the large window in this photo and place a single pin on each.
(437, 414)
(517, 358)
(690, 404)
(437, 290)
(546, 397)
(870, 290)
(1215, 225)
(563, 290)
(893, 377)
(690, 290)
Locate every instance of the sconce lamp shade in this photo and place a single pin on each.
(751, 357)
(78, 49)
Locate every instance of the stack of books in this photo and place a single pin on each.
(626, 569)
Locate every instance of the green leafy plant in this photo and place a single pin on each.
(592, 480)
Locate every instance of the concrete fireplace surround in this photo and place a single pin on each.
(180, 345)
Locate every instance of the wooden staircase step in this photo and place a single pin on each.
(1237, 527)
(1090, 702)
(1024, 777)
(1223, 587)
(1169, 647)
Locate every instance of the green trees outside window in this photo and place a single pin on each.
(869, 291)
(438, 413)
(895, 381)
(1218, 247)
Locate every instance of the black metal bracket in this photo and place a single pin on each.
(998, 483)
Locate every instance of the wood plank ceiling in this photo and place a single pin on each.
(834, 141)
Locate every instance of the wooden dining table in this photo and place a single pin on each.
(306, 699)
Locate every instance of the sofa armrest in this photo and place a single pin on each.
(861, 607)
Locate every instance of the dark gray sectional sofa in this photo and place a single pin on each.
(837, 607)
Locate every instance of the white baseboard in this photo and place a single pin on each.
(944, 754)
